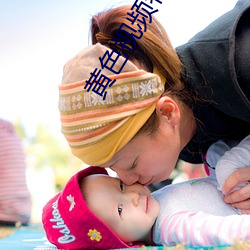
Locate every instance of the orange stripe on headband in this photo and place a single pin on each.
(95, 128)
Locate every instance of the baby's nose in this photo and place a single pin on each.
(133, 197)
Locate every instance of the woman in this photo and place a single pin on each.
(206, 97)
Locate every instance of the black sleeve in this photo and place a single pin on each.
(217, 66)
(213, 67)
(242, 53)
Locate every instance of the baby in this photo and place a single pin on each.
(96, 211)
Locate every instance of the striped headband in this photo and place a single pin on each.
(96, 128)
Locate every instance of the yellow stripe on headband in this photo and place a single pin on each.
(95, 128)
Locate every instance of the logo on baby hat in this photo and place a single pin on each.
(71, 201)
(66, 237)
(94, 235)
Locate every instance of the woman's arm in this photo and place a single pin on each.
(233, 175)
(231, 162)
(240, 198)
(237, 157)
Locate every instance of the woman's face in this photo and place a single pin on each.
(147, 159)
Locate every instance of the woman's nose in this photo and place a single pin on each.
(126, 177)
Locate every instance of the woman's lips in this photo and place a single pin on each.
(148, 183)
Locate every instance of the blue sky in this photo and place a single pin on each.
(38, 37)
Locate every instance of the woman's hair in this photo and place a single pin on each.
(153, 50)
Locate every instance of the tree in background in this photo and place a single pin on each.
(44, 150)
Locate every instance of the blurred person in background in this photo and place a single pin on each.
(15, 198)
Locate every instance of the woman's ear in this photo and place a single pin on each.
(168, 110)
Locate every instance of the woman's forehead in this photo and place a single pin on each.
(128, 153)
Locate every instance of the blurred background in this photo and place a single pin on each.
(36, 39)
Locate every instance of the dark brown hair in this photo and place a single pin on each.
(153, 50)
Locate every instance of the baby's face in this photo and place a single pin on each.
(130, 211)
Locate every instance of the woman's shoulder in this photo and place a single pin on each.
(209, 65)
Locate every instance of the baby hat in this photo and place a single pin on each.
(69, 223)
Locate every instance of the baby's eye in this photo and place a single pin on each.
(120, 206)
(121, 186)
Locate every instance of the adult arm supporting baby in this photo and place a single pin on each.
(234, 159)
